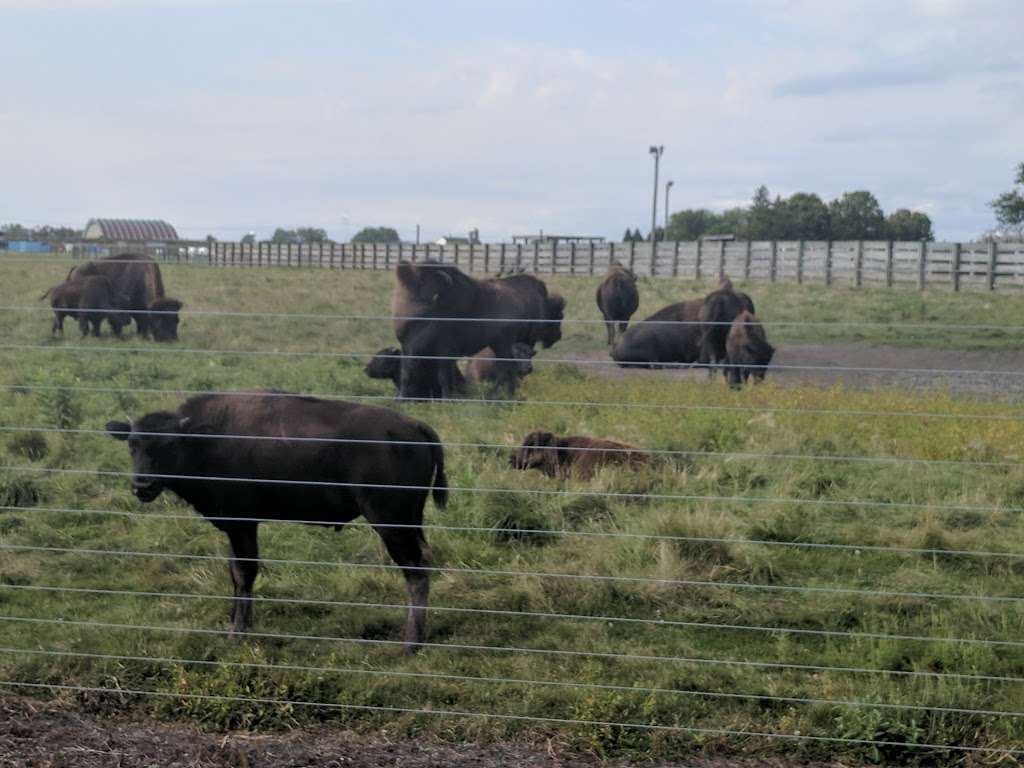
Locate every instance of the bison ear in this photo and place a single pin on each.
(119, 430)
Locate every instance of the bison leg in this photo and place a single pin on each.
(409, 550)
(58, 324)
(244, 566)
(623, 325)
(610, 325)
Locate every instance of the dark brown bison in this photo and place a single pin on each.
(670, 335)
(721, 307)
(90, 300)
(618, 299)
(325, 462)
(748, 352)
(578, 457)
(138, 279)
(387, 364)
(482, 367)
(441, 314)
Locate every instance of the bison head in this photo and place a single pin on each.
(554, 311)
(156, 444)
(539, 451)
(522, 354)
(762, 355)
(163, 320)
(386, 364)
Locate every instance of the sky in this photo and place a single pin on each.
(225, 117)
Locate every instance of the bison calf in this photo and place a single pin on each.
(90, 300)
(578, 457)
(618, 299)
(748, 352)
(246, 458)
(483, 367)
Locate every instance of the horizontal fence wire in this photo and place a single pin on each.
(838, 412)
(900, 324)
(493, 530)
(507, 447)
(536, 575)
(527, 651)
(122, 692)
(537, 491)
(696, 693)
(455, 358)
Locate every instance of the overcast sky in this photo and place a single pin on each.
(225, 117)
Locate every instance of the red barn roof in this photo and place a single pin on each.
(129, 229)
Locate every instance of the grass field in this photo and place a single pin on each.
(967, 496)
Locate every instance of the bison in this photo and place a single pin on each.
(748, 352)
(138, 279)
(721, 307)
(90, 300)
(246, 458)
(387, 364)
(578, 457)
(670, 335)
(482, 367)
(618, 299)
(442, 314)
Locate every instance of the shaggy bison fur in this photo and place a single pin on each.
(578, 457)
(90, 300)
(748, 352)
(137, 278)
(618, 299)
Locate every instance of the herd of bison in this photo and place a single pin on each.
(241, 459)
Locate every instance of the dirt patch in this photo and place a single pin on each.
(985, 373)
(36, 734)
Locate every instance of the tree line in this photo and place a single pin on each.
(802, 216)
(44, 233)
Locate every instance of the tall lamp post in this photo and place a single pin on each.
(668, 186)
(657, 152)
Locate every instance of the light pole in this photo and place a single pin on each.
(657, 152)
(668, 186)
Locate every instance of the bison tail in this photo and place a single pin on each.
(440, 490)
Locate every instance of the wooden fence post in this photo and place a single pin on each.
(747, 256)
(993, 255)
(501, 256)
(721, 259)
(519, 254)
(572, 258)
(632, 254)
(536, 255)
(591, 260)
(955, 266)
(675, 259)
(922, 260)
(888, 264)
(700, 257)
(487, 258)
(858, 265)
(653, 268)
(828, 262)
(611, 254)
(800, 263)
(554, 256)
(773, 267)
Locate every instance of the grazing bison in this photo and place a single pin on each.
(670, 335)
(578, 457)
(618, 299)
(482, 367)
(721, 307)
(748, 352)
(138, 279)
(440, 312)
(305, 459)
(90, 300)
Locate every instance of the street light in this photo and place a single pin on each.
(657, 152)
(668, 186)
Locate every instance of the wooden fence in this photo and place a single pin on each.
(986, 265)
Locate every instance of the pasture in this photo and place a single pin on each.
(834, 563)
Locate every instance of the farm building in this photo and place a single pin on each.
(130, 230)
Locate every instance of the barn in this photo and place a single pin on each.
(130, 231)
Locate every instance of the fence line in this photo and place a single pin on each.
(855, 547)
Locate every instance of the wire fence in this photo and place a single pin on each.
(589, 597)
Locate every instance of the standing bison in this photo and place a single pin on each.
(137, 279)
(720, 308)
(670, 335)
(90, 300)
(618, 299)
(441, 314)
(748, 352)
(240, 459)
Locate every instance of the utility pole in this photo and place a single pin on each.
(657, 152)
(668, 186)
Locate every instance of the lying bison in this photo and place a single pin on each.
(578, 457)
(618, 299)
(305, 459)
(441, 314)
(670, 336)
(90, 301)
(748, 352)
(721, 307)
(138, 279)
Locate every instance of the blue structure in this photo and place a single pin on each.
(28, 246)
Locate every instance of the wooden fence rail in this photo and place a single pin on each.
(858, 263)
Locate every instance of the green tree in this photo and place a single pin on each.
(249, 239)
(857, 216)
(905, 224)
(690, 224)
(762, 224)
(734, 221)
(1009, 206)
(801, 216)
(284, 236)
(627, 236)
(311, 235)
(376, 235)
